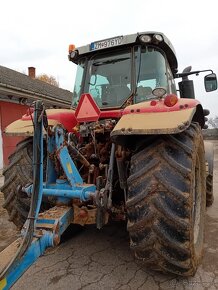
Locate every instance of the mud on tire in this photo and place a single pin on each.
(166, 202)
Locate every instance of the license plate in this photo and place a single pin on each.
(111, 42)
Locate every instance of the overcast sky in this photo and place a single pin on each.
(38, 33)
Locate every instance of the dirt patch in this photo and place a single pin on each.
(8, 231)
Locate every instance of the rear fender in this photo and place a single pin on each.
(24, 126)
(145, 119)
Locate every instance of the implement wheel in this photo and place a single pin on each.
(166, 202)
(17, 174)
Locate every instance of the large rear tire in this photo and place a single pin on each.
(166, 202)
(18, 173)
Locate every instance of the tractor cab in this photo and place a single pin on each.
(124, 70)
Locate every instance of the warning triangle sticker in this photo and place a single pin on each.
(87, 109)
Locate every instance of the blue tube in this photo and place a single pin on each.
(76, 193)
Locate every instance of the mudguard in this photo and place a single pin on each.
(154, 117)
(24, 126)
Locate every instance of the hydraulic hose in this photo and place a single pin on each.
(36, 197)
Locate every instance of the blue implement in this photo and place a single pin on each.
(49, 227)
(43, 230)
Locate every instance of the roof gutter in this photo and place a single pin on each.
(35, 96)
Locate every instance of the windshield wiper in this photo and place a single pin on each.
(110, 61)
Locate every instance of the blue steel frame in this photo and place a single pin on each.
(64, 190)
(48, 229)
(48, 233)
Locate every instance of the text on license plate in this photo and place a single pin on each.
(107, 43)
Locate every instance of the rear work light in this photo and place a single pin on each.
(170, 100)
(145, 38)
(157, 38)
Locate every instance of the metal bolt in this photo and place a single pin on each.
(181, 127)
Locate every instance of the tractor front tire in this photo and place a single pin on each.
(166, 202)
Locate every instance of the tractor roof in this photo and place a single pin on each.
(119, 41)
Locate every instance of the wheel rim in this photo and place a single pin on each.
(196, 213)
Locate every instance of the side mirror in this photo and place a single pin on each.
(210, 82)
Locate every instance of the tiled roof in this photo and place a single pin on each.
(17, 80)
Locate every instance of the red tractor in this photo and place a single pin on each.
(136, 143)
